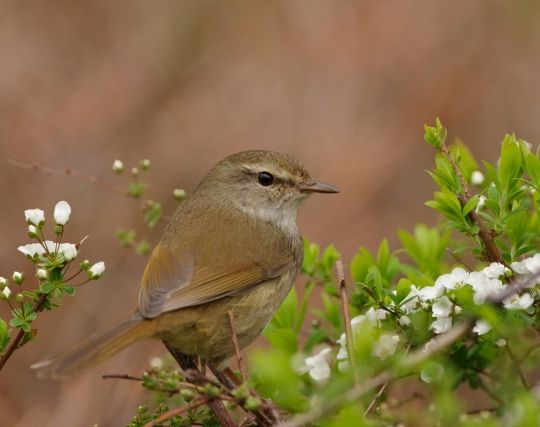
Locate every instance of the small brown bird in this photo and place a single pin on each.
(232, 245)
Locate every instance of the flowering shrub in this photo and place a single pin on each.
(443, 330)
(51, 261)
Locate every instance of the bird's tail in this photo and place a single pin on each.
(94, 350)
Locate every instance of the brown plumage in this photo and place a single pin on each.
(232, 245)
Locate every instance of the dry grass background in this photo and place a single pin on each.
(346, 86)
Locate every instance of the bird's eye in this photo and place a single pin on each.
(265, 179)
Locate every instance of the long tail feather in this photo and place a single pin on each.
(94, 350)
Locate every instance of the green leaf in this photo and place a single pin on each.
(4, 335)
(435, 135)
(152, 213)
(311, 254)
(470, 205)
(532, 166)
(510, 161)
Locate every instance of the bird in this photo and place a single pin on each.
(232, 245)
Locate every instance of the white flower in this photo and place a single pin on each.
(42, 274)
(477, 178)
(457, 309)
(34, 216)
(482, 327)
(501, 342)
(97, 270)
(374, 315)
(70, 251)
(451, 280)
(6, 292)
(156, 362)
(432, 373)
(528, 265)
(483, 286)
(522, 302)
(411, 300)
(441, 325)
(429, 293)
(371, 318)
(442, 308)
(62, 211)
(385, 346)
(31, 249)
(494, 270)
(17, 277)
(481, 203)
(117, 166)
(404, 321)
(317, 365)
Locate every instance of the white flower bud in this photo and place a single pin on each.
(62, 211)
(34, 216)
(96, 271)
(145, 164)
(156, 362)
(32, 230)
(501, 342)
(18, 277)
(117, 166)
(42, 274)
(6, 293)
(477, 178)
(3, 282)
(69, 250)
(179, 194)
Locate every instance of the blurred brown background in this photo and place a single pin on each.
(344, 85)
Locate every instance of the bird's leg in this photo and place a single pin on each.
(222, 376)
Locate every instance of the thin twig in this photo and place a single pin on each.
(347, 319)
(68, 172)
(121, 377)
(20, 336)
(381, 390)
(179, 411)
(234, 339)
(484, 233)
(517, 367)
(459, 259)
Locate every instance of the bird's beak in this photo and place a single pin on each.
(319, 187)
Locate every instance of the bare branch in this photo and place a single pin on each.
(38, 306)
(347, 319)
(236, 346)
(179, 411)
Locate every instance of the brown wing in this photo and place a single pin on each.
(164, 273)
(170, 282)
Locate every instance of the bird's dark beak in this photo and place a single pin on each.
(319, 187)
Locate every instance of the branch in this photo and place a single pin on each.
(347, 319)
(68, 172)
(484, 233)
(179, 411)
(236, 346)
(20, 336)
